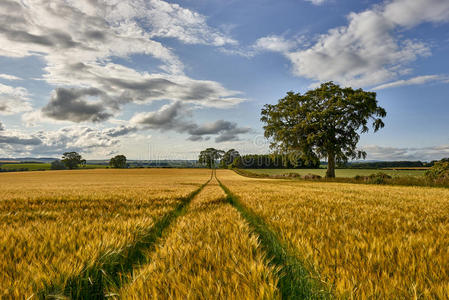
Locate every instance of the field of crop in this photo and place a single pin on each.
(365, 241)
(340, 172)
(55, 224)
(40, 166)
(180, 233)
(208, 254)
(29, 166)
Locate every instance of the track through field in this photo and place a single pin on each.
(209, 253)
(110, 270)
(295, 281)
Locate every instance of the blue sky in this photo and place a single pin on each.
(160, 79)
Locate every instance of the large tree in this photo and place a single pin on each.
(72, 160)
(323, 123)
(209, 156)
(118, 161)
(228, 158)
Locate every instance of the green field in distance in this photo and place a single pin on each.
(339, 172)
(39, 166)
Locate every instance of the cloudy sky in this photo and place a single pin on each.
(164, 79)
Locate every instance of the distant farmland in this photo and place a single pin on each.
(342, 172)
(39, 166)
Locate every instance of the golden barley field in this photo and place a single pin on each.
(367, 241)
(53, 223)
(176, 234)
(209, 254)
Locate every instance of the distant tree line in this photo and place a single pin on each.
(233, 159)
(293, 160)
(385, 164)
(273, 161)
(391, 164)
(74, 160)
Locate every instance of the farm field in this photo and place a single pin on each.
(181, 233)
(209, 254)
(365, 241)
(41, 166)
(339, 172)
(55, 224)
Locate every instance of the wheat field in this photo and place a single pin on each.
(360, 241)
(208, 254)
(366, 241)
(55, 223)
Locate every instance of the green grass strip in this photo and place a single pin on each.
(295, 281)
(111, 268)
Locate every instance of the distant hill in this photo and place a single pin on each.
(166, 163)
(27, 160)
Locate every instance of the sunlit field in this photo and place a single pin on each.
(56, 223)
(208, 254)
(175, 233)
(365, 241)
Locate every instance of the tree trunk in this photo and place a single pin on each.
(330, 173)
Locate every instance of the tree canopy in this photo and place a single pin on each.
(323, 123)
(228, 157)
(72, 160)
(118, 161)
(209, 156)
(57, 165)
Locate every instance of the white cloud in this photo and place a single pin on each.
(9, 77)
(170, 20)
(14, 100)
(369, 50)
(412, 81)
(174, 117)
(275, 43)
(410, 13)
(72, 138)
(316, 2)
(78, 39)
(393, 153)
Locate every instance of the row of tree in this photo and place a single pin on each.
(73, 160)
(386, 164)
(233, 159)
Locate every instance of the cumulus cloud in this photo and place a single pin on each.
(412, 81)
(2, 127)
(275, 43)
(395, 153)
(368, 51)
(9, 77)
(121, 85)
(13, 100)
(227, 131)
(70, 105)
(74, 138)
(78, 40)
(120, 131)
(19, 140)
(174, 117)
(168, 117)
(170, 20)
(316, 2)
